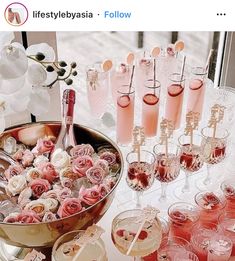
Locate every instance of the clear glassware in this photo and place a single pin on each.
(191, 161)
(174, 99)
(171, 246)
(125, 228)
(214, 151)
(200, 238)
(228, 188)
(182, 217)
(97, 89)
(167, 167)
(211, 205)
(150, 107)
(65, 249)
(196, 90)
(140, 174)
(227, 225)
(185, 255)
(220, 248)
(125, 114)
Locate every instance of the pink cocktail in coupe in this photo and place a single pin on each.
(228, 188)
(150, 108)
(125, 114)
(174, 99)
(196, 91)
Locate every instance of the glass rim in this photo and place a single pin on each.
(131, 90)
(223, 200)
(181, 202)
(204, 71)
(218, 236)
(169, 143)
(133, 152)
(169, 241)
(183, 135)
(206, 136)
(158, 86)
(187, 252)
(182, 79)
(135, 210)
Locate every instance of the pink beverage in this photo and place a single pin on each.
(200, 239)
(227, 225)
(150, 108)
(220, 248)
(185, 256)
(211, 206)
(144, 72)
(196, 90)
(182, 217)
(125, 115)
(228, 188)
(174, 99)
(97, 90)
(119, 76)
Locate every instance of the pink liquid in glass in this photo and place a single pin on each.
(228, 228)
(229, 193)
(219, 249)
(174, 102)
(125, 118)
(150, 111)
(196, 95)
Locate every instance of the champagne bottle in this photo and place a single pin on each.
(66, 139)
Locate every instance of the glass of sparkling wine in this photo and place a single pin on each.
(174, 99)
(150, 107)
(220, 248)
(65, 249)
(124, 229)
(191, 160)
(125, 114)
(167, 165)
(144, 71)
(120, 75)
(140, 172)
(196, 91)
(213, 149)
(97, 89)
(227, 225)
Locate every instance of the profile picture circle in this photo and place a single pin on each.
(16, 14)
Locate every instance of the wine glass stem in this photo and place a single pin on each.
(163, 191)
(138, 199)
(186, 187)
(208, 177)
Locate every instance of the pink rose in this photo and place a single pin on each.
(95, 175)
(13, 171)
(63, 194)
(44, 146)
(81, 150)
(24, 197)
(109, 182)
(28, 216)
(69, 207)
(109, 156)
(48, 172)
(81, 164)
(12, 218)
(103, 190)
(18, 155)
(27, 158)
(89, 196)
(49, 194)
(39, 186)
(102, 164)
(67, 183)
(49, 216)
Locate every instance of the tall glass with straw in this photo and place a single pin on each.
(191, 159)
(140, 172)
(214, 142)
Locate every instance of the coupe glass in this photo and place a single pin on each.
(124, 229)
(97, 89)
(65, 249)
(140, 172)
(214, 151)
(167, 167)
(191, 160)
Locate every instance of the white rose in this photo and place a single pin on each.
(16, 184)
(33, 173)
(39, 160)
(51, 204)
(60, 159)
(39, 206)
(24, 197)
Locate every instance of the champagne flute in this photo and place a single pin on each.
(140, 173)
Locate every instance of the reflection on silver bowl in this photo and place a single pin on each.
(45, 234)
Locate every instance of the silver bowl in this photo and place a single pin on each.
(45, 234)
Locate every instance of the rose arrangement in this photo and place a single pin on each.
(50, 184)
